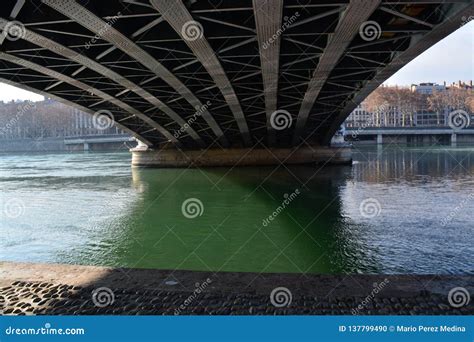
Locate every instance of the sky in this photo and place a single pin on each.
(450, 60)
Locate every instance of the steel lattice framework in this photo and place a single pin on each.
(216, 70)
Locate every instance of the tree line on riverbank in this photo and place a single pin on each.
(405, 102)
(45, 119)
(51, 119)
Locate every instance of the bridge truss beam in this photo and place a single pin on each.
(268, 17)
(100, 94)
(348, 27)
(95, 24)
(74, 105)
(176, 14)
(455, 18)
(317, 67)
(86, 62)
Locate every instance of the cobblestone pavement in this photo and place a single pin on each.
(83, 290)
(58, 299)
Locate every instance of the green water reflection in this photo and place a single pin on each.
(93, 209)
(230, 234)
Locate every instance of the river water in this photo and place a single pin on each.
(396, 210)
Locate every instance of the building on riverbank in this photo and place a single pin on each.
(47, 119)
(424, 104)
(50, 126)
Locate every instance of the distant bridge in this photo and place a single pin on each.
(240, 75)
(88, 140)
(411, 134)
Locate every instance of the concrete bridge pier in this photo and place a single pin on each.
(175, 158)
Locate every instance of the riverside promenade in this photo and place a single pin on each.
(57, 289)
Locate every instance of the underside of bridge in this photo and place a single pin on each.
(227, 74)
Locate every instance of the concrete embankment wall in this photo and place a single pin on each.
(54, 144)
(415, 139)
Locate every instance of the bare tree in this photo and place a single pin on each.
(25, 119)
(394, 106)
(452, 99)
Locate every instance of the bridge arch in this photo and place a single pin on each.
(251, 59)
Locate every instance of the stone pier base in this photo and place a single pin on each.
(239, 157)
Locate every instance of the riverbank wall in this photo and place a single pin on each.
(55, 145)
